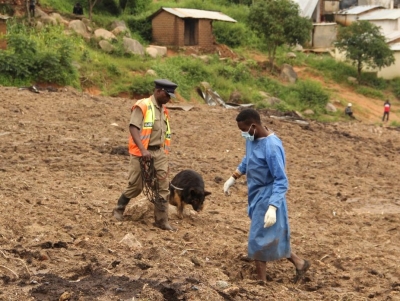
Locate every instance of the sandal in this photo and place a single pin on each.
(300, 273)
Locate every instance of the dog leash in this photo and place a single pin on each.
(151, 188)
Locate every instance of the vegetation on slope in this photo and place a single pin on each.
(50, 56)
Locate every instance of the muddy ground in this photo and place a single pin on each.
(64, 164)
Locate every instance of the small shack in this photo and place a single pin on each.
(182, 27)
(349, 15)
(324, 35)
(387, 19)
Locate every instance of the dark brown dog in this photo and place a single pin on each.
(187, 187)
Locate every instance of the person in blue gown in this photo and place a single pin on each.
(264, 167)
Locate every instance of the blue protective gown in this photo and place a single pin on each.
(264, 166)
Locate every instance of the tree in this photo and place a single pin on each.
(91, 3)
(364, 45)
(278, 22)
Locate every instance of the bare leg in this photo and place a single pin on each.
(301, 266)
(296, 260)
(261, 269)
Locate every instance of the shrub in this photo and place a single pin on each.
(312, 94)
(142, 85)
(370, 92)
(38, 55)
(395, 83)
(233, 35)
(141, 26)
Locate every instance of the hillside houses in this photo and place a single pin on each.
(327, 15)
(388, 20)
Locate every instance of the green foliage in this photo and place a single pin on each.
(364, 46)
(338, 71)
(278, 22)
(395, 84)
(236, 73)
(311, 94)
(183, 70)
(106, 7)
(370, 92)
(233, 35)
(140, 25)
(38, 55)
(142, 85)
(134, 6)
(7, 9)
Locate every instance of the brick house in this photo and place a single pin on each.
(182, 27)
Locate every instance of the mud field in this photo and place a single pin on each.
(64, 164)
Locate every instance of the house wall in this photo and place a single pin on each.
(386, 73)
(384, 3)
(386, 25)
(169, 30)
(391, 71)
(324, 35)
(331, 6)
(166, 29)
(206, 38)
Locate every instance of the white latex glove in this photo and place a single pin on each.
(270, 217)
(228, 184)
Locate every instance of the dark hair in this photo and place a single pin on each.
(248, 116)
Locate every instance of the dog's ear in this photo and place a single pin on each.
(206, 193)
(193, 192)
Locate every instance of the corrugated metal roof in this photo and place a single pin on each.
(307, 7)
(198, 14)
(382, 14)
(395, 47)
(356, 10)
(391, 36)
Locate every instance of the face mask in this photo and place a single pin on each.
(247, 136)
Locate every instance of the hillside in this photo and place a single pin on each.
(64, 166)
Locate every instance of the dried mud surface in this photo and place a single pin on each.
(64, 164)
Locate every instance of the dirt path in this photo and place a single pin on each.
(365, 109)
(64, 164)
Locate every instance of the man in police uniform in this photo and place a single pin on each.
(150, 138)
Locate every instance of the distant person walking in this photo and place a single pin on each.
(386, 110)
(348, 111)
(32, 5)
(78, 10)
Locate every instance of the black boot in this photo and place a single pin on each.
(161, 215)
(118, 211)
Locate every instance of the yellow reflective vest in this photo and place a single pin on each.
(147, 107)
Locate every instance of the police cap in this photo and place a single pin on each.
(166, 85)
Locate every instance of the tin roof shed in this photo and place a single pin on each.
(357, 10)
(382, 14)
(182, 27)
(195, 14)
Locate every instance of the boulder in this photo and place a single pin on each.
(132, 46)
(106, 46)
(102, 33)
(118, 23)
(288, 74)
(79, 27)
(156, 51)
(330, 107)
(121, 30)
